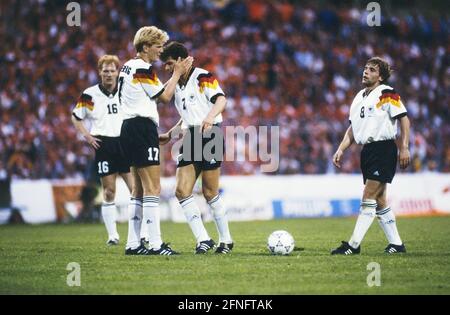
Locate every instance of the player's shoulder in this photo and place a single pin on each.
(137, 63)
(359, 94)
(386, 89)
(204, 76)
(92, 90)
(199, 73)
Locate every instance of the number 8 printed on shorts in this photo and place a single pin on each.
(151, 156)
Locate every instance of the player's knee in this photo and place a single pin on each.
(369, 194)
(209, 194)
(136, 191)
(154, 190)
(182, 193)
(109, 194)
(381, 203)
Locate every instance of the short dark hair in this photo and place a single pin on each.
(383, 66)
(174, 50)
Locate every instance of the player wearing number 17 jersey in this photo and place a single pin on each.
(373, 117)
(100, 105)
(139, 91)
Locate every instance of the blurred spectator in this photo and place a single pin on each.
(295, 65)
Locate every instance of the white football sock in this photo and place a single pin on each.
(144, 231)
(365, 219)
(134, 222)
(194, 218)
(386, 219)
(221, 220)
(151, 219)
(109, 212)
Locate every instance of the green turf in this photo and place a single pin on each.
(33, 260)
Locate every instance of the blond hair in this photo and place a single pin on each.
(107, 59)
(149, 35)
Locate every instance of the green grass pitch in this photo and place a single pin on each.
(33, 260)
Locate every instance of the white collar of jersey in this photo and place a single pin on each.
(106, 92)
(187, 79)
(381, 86)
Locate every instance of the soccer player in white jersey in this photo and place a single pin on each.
(139, 91)
(100, 105)
(200, 102)
(373, 117)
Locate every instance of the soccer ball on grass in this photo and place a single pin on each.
(280, 243)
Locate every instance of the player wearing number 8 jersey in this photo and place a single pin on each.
(100, 105)
(373, 117)
(139, 91)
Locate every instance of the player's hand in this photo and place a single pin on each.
(94, 142)
(404, 158)
(207, 124)
(337, 157)
(164, 138)
(182, 66)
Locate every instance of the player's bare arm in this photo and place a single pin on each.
(94, 142)
(346, 142)
(180, 67)
(166, 137)
(404, 156)
(217, 109)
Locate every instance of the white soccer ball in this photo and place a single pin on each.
(280, 243)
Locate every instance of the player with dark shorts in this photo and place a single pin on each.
(189, 154)
(379, 161)
(100, 105)
(139, 91)
(373, 117)
(200, 101)
(110, 154)
(138, 135)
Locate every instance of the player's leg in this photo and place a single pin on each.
(186, 177)
(367, 211)
(210, 182)
(109, 211)
(128, 179)
(365, 218)
(134, 214)
(386, 220)
(150, 178)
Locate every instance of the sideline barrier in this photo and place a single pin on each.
(249, 197)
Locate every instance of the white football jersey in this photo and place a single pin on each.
(195, 99)
(374, 116)
(102, 109)
(138, 89)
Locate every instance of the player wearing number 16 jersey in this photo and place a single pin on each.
(373, 117)
(100, 105)
(139, 91)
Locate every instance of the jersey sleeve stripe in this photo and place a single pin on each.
(207, 80)
(85, 100)
(147, 76)
(391, 98)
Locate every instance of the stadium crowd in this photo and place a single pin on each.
(281, 63)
